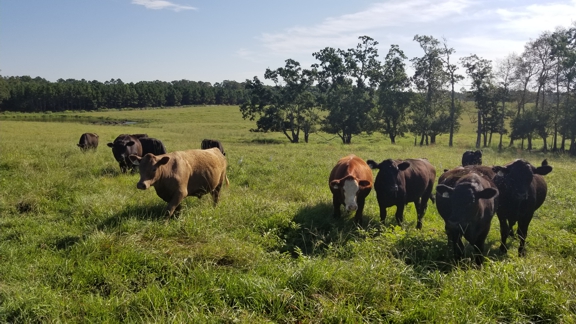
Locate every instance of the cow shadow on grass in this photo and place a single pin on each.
(141, 212)
(316, 230)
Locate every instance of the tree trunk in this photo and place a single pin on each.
(479, 131)
(392, 138)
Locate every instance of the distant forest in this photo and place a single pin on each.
(26, 94)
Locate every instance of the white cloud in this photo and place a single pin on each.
(161, 4)
(534, 19)
(344, 30)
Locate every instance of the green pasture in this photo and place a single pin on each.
(79, 243)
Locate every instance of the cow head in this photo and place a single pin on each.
(516, 177)
(387, 177)
(348, 188)
(149, 165)
(472, 158)
(464, 200)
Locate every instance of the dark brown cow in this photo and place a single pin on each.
(522, 191)
(209, 143)
(472, 158)
(350, 182)
(402, 181)
(472, 208)
(88, 141)
(179, 174)
(123, 146)
(152, 145)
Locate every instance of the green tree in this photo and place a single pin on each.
(346, 80)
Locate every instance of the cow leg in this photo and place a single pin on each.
(216, 193)
(123, 167)
(336, 204)
(400, 213)
(523, 233)
(420, 210)
(358, 216)
(456, 239)
(504, 231)
(512, 223)
(174, 203)
(479, 250)
(382, 209)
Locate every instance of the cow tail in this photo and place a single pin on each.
(227, 181)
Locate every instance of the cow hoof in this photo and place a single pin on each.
(419, 225)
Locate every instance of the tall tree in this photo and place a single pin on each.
(453, 79)
(345, 81)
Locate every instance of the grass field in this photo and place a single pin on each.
(79, 243)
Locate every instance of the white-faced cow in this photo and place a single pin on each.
(179, 174)
(468, 203)
(522, 191)
(210, 143)
(472, 158)
(402, 181)
(88, 141)
(350, 182)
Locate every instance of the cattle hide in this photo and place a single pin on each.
(88, 141)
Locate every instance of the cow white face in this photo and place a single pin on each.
(350, 189)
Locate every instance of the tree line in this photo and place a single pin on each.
(28, 94)
(350, 91)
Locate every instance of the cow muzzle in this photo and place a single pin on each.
(351, 207)
(142, 185)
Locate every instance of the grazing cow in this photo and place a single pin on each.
(472, 208)
(209, 143)
(179, 174)
(350, 182)
(152, 145)
(123, 146)
(88, 141)
(472, 158)
(402, 181)
(522, 191)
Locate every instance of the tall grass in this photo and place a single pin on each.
(79, 242)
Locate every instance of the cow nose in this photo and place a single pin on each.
(351, 207)
(141, 186)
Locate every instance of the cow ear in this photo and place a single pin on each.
(163, 160)
(500, 170)
(130, 143)
(487, 193)
(543, 170)
(372, 164)
(334, 184)
(135, 159)
(403, 166)
(444, 190)
(110, 144)
(364, 184)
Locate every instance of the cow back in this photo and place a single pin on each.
(418, 178)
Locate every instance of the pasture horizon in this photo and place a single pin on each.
(79, 242)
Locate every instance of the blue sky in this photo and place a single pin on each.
(212, 41)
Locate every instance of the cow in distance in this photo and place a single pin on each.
(472, 158)
(138, 144)
(210, 143)
(402, 181)
(88, 141)
(179, 174)
(350, 182)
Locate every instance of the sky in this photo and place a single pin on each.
(217, 40)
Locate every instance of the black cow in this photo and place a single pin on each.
(209, 143)
(472, 158)
(402, 181)
(522, 191)
(88, 141)
(472, 208)
(123, 146)
(152, 145)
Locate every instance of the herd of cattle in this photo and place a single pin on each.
(467, 197)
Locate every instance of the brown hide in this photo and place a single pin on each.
(88, 141)
(179, 174)
(350, 167)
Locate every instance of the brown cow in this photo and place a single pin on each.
(88, 141)
(522, 191)
(466, 200)
(350, 182)
(179, 174)
(402, 181)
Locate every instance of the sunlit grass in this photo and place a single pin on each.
(79, 242)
